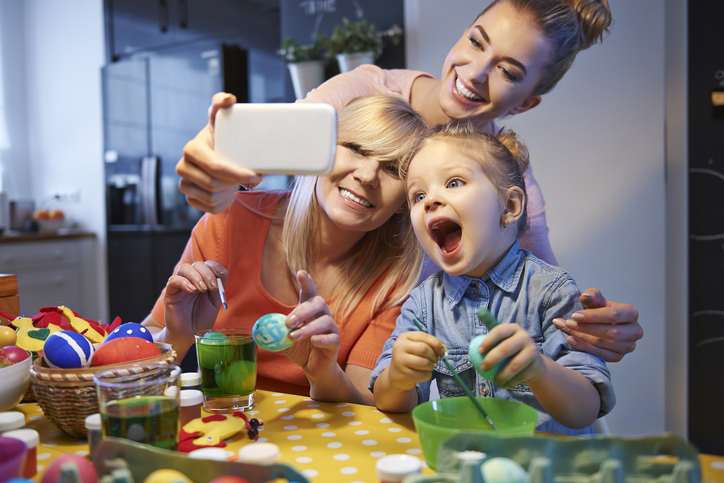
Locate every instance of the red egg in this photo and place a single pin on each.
(86, 470)
(229, 479)
(125, 349)
(14, 353)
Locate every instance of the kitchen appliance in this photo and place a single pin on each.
(153, 104)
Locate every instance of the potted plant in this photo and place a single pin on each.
(354, 43)
(305, 63)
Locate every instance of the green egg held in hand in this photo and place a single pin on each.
(270, 333)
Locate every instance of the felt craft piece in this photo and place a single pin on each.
(90, 329)
(66, 349)
(215, 429)
(30, 338)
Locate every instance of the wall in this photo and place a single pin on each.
(52, 54)
(597, 150)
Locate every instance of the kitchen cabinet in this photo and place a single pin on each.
(134, 26)
(53, 270)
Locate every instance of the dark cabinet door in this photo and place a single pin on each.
(142, 25)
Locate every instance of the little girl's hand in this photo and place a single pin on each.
(414, 356)
(526, 361)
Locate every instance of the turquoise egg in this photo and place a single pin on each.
(502, 470)
(476, 358)
(270, 333)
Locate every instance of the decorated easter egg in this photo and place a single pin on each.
(124, 349)
(239, 377)
(229, 479)
(167, 476)
(7, 336)
(14, 353)
(130, 329)
(83, 468)
(270, 333)
(476, 358)
(502, 470)
(66, 349)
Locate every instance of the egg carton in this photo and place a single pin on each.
(141, 460)
(663, 458)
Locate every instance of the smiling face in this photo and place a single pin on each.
(456, 211)
(361, 193)
(494, 67)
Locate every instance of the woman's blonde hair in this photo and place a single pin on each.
(569, 26)
(502, 156)
(385, 129)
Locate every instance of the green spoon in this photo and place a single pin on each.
(460, 382)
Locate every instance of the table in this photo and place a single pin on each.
(326, 442)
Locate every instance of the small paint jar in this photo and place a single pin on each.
(191, 380)
(10, 420)
(395, 467)
(31, 438)
(190, 401)
(95, 435)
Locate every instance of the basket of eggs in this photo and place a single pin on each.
(71, 350)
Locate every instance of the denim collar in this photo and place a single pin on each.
(505, 275)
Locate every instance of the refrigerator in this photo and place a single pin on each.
(152, 105)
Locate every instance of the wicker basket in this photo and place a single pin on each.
(67, 396)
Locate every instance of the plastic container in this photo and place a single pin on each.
(395, 467)
(95, 434)
(191, 380)
(31, 438)
(439, 419)
(259, 453)
(190, 401)
(12, 454)
(10, 420)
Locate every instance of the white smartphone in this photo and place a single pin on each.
(278, 138)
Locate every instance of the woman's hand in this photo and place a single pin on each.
(192, 299)
(604, 328)
(315, 335)
(209, 182)
(514, 343)
(414, 356)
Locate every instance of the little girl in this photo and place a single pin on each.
(468, 206)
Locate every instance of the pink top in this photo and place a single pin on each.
(370, 80)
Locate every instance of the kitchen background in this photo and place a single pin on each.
(610, 143)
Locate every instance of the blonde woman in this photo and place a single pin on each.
(507, 59)
(336, 254)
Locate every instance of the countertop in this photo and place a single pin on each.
(17, 236)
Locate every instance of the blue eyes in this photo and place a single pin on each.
(455, 183)
(418, 197)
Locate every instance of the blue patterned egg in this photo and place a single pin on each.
(66, 349)
(270, 333)
(130, 329)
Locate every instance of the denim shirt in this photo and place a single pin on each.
(521, 289)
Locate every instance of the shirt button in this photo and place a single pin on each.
(475, 284)
(484, 390)
(468, 364)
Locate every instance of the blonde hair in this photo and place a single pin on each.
(385, 129)
(569, 26)
(502, 156)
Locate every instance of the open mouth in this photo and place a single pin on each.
(465, 92)
(356, 199)
(447, 234)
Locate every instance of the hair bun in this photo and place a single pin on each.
(595, 17)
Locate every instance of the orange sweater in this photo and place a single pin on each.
(235, 239)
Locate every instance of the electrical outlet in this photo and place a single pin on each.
(71, 195)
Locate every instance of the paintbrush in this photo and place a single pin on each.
(460, 381)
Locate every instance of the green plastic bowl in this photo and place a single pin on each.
(439, 419)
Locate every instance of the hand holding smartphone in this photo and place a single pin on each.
(297, 138)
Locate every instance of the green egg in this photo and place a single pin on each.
(239, 377)
(211, 349)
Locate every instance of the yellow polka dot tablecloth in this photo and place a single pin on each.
(326, 442)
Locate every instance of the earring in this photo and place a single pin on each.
(504, 222)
